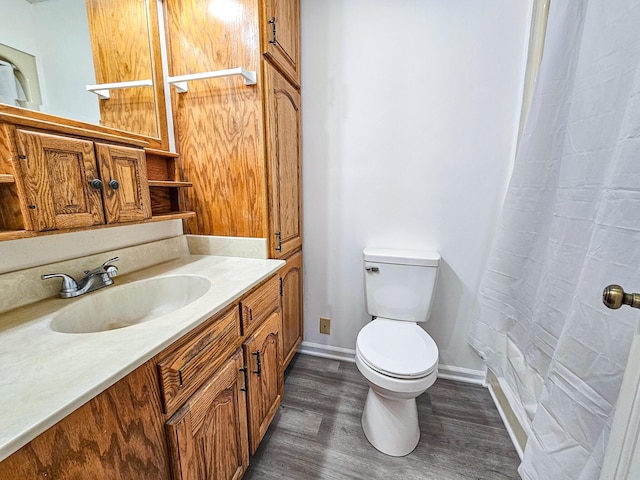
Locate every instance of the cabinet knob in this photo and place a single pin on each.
(114, 184)
(96, 183)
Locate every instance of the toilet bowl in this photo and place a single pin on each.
(399, 360)
(397, 357)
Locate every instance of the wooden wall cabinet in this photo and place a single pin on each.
(281, 36)
(283, 124)
(56, 177)
(241, 144)
(73, 182)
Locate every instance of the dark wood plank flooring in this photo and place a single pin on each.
(317, 432)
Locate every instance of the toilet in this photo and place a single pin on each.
(395, 355)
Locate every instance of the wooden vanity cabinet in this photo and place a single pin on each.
(292, 327)
(262, 353)
(207, 437)
(118, 435)
(221, 389)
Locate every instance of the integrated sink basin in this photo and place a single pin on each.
(130, 304)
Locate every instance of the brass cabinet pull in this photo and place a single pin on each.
(614, 297)
(279, 238)
(273, 40)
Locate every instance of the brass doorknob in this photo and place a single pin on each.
(614, 297)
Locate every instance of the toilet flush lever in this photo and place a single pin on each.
(372, 269)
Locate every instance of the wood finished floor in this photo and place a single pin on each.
(317, 432)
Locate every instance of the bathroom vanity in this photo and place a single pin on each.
(184, 394)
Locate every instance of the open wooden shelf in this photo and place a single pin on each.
(169, 183)
(15, 234)
(172, 216)
(7, 178)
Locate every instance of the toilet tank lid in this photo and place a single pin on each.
(421, 258)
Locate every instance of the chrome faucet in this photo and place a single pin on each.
(92, 280)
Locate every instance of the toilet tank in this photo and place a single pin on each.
(400, 284)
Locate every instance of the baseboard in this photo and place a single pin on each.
(459, 374)
(447, 372)
(328, 351)
(516, 431)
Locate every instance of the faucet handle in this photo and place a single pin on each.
(104, 268)
(109, 262)
(69, 285)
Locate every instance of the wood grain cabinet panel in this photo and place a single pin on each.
(292, 329)
(57, 175)
(126, 200)
(207, 437)
(262, 352)
(60, 174)
(118, 435)
(280, 36)
(188, 364)
(256, 306)
(283, 122)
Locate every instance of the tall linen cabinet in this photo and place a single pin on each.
(240, 144)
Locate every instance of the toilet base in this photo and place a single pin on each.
(391, 425)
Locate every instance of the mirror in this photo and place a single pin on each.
(75, 44)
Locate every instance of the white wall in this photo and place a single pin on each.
(410, 113)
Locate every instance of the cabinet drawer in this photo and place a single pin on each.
(259, 304)
(186, 367)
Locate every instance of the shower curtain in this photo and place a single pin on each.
(570, 226)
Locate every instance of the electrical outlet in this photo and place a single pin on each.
(325, 325)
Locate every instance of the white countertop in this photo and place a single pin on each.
(45, 375)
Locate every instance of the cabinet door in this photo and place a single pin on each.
(57, 174)
(283, 159)
(207, 437)
(126, 188)
(262, 357)
(292, 326)
(281, 36)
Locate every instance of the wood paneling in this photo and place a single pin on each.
(219, 122)
(292, 312)
(120, 43)
(283, 123)
(117, 435)
(283, 48)
(129, 202)
(262, 353)
(207, 437)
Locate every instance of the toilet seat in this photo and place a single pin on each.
(397, 349)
